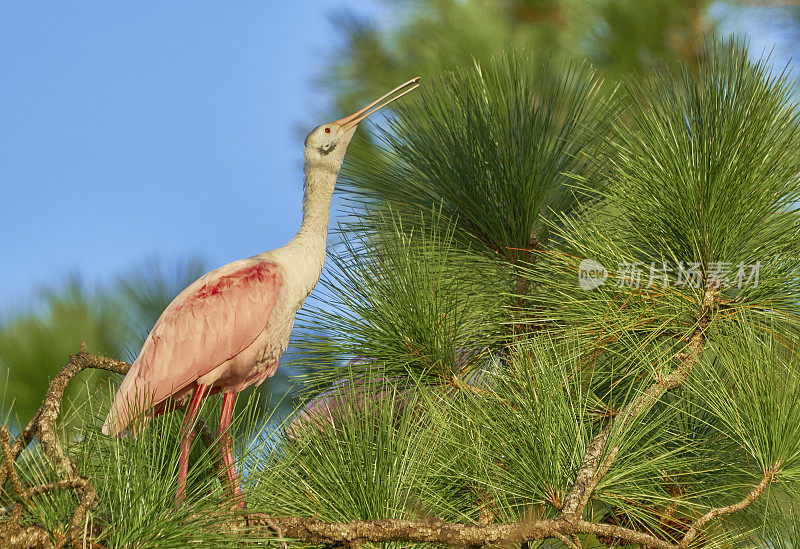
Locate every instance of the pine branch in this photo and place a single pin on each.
(713, 514)
(595, 480)
(312, 530)
(43, 425)
(590, 471)
(571, 543)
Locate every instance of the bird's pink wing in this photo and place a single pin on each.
(214, 320)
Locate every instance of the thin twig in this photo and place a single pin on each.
(566, 541)
(754, 494)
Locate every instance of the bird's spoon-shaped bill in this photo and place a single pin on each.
(361, 114)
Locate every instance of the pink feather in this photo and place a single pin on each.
(209, 324)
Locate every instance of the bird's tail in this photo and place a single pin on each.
(131, 402)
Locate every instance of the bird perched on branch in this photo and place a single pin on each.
(227, 330)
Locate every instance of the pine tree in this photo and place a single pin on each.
(619, 37)
(673, 362)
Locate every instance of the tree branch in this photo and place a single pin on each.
(568, 542)
(312, 530)
(586, 479)
(43, 425)
(595, 480)
(754, 494)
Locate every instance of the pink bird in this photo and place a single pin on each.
(227, 330)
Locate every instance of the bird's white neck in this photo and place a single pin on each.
(317, 197)
(304, 255)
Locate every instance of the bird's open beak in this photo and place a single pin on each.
(352, 121)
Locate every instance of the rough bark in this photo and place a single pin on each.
(312, 530)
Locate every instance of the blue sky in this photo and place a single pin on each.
(167, 129)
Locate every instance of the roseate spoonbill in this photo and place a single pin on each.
(227, 330)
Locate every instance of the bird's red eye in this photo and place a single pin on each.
(327, 130)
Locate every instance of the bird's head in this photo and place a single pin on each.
(326, 144)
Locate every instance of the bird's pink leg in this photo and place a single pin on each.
(225, 443)
(187, 435)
